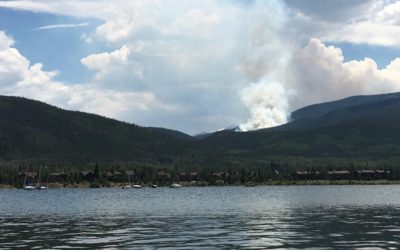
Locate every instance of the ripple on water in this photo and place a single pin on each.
(209, 218)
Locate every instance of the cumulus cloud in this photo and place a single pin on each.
(105, 62)
(356, 22)
(319, 74)
(19, 77)
(202, 65)
(13, 65)
(186, 56)
(322, 75)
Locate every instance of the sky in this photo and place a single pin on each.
(198, 66)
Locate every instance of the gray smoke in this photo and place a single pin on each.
(266, 62)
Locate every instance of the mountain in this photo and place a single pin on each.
(360, 126)
(35, 130)
(204, 135)
(321, 109)
(366, 127)
(345, 110)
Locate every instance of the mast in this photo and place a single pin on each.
(26, 174)
(38, 181)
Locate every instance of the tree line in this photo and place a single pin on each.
(104, 174)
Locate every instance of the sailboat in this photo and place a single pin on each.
(27, 187)
(175, 185)
(39, 186)
(129, 185)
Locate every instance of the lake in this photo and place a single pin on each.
(267, 217)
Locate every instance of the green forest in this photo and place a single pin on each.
(354, 134)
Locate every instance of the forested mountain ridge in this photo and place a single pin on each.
(317, 110)
(366, 127)
(35, 130)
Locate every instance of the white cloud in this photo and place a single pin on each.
(19, 77)
(202, 65)
(5, 41)
(13, 65)
(173, 49)
(367, 32)
(106, 62)
(323, 75)
(78, 8)
(357, 22)
(62, 26)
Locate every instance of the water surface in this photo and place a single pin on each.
(275, 217)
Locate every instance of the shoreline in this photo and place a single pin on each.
(269, 183)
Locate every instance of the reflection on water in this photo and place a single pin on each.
(194, 218)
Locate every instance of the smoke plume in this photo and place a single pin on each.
(267, 102)
(266, 62)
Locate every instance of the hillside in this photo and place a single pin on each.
(364, 126)
(34, 130)
(317, 110)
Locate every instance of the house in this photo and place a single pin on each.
(164, 174)
(28, 174)
(58, 177)
(188, 176)
(88, 175)
(183, 176)
(163, 177)
(306, 175)
(339, 175)
(382, 174)
(220, 175)
(193, 176)
(114, 176)
(118, 176)
(373, 174)
(109, 175)
(366, 174)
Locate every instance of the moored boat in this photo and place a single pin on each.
(29, 187)
(39, 186)
(129, 185)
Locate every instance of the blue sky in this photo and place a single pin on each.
(382, 55)
(197, 65)
(58, 49)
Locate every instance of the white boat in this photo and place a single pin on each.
(129, 185)
(175, 185)
(136, 186)
(38, 186)
(29, 187)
